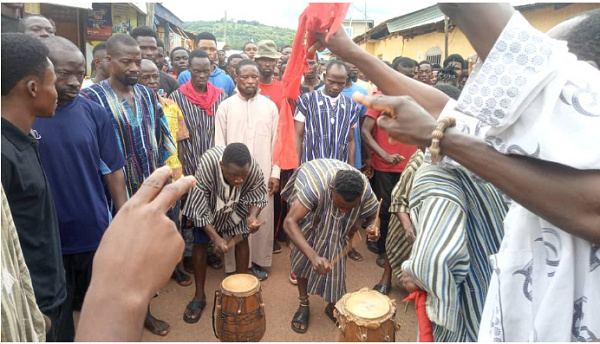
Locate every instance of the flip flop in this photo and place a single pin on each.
(354, 255)
(194, 306)
(301, 317)
(181, 277)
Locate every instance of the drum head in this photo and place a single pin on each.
(240, 285)
(368, 304)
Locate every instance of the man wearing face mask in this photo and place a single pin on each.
(140, 124)
(327, 197)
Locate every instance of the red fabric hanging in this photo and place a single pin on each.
(317, 17)
(425, 328)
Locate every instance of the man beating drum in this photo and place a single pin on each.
(328, 198)
(228, 196)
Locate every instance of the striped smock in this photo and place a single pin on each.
(397, 248)
(201, 127)
(326, 126)
(213, 201)
(325, 228)
(143, 135)
(458, 223)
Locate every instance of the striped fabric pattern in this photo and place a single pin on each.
(22, 320)
(144, 136)
(326, 127)
(325, 228)
(458, 225)
(213, 201)
(396, 246)
(201, 129)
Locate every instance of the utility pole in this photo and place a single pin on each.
(225, 30)
(445, 36)
(366, 26)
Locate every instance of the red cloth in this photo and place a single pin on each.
(204, 100)
(382, 139)
(425, 328)
(273, 91)
(317, 17)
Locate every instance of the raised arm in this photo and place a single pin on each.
(388, 81)
(482, 23)
(566, 197)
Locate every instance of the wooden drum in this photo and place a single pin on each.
(239, 310)
(366, 316)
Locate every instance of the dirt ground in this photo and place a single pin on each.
(281, 301)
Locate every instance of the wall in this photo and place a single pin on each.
(391, 46)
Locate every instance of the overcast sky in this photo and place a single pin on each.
(284, 13)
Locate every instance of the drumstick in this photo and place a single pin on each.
(234, 240)
(377, 222)
(349, 246)
(238, 237)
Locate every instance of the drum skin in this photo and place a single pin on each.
(240, 311)
(366, 316)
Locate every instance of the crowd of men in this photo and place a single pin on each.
(496, 220)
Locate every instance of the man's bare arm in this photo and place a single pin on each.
(566, 197)
(115, 182)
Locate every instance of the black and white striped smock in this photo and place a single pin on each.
(325, 228)
(213, 201)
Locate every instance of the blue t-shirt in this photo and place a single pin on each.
(348, 92)
(77, 146)
(217, 78)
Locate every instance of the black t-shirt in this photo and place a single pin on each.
(168, 83)
(32, 208)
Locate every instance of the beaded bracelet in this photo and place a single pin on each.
(437, 135)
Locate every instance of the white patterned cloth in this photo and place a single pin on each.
(532, 97)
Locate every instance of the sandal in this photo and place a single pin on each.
(354, 255)
(181, 277)
(382, 288)
(193, 306)
(301, 317)
(329, 313)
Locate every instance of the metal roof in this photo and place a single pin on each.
(424, 16)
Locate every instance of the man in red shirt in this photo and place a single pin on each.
(266, 57)
(386, 163)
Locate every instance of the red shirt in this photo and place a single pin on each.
(273, 91)
(381, 137)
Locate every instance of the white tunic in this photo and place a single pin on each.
(252, 122)
(531, 97)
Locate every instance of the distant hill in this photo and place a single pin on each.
(240, 32)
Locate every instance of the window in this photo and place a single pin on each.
(434, 55)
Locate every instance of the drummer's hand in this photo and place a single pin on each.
(220, 246)
(372, 233)
(408, 282)
(254, 224)
(321, 265)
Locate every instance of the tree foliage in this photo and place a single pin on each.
(237, 33)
